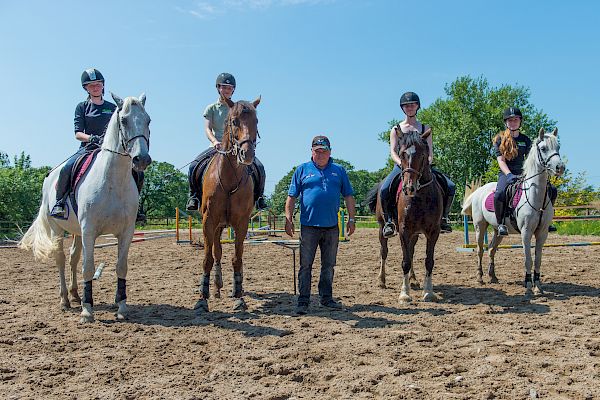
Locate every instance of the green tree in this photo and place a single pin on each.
(465, 122)
(164, 189)
(21, 188)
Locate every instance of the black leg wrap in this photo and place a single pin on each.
(238, 278)
(87, 293)
(527, 279)
(205, 285)
(121, 290)
(536, 276)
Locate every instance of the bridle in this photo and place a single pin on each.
(125, 143)
(418, 185)
(232, 125)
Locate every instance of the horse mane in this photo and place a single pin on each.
(531, 160)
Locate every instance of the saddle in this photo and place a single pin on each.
(396, 186)
(81, 166)
(201, 168)
(514, 191)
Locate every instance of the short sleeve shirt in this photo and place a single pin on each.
(320, 190)
(516, 164)
(217, 113)
(93, 119)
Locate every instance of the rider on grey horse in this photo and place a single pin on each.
(511, 148)
(216, 115)
(91, 119)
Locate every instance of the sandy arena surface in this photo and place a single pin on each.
(477, 342)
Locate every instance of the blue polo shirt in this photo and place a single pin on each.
(320, 190)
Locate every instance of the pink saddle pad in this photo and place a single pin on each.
(489, 200)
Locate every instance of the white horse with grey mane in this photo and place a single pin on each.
(533, 213)
(107, 199)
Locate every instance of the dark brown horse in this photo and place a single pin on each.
(228, 199)
(419, 206)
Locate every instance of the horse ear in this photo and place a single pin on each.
(426, 134)
(256, 102)
(541, 133)
(229, 102)
(142, 99)
(117, 100)
(555, 132)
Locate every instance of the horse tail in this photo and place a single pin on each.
(467, 206)
(371, 199)
(38, 237)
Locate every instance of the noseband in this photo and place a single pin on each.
(418, 184)
(547, 160)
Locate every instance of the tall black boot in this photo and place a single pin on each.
(389, 227)
(499, 211)
(258, 174)
(62, 190)
(445, 223)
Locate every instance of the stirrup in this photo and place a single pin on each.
(502, 230)
(192, 204)
(445, 226)
(389, 229)
(58, 211)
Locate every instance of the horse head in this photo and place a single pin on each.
(134, 129)
(414, 154)
(241, 130)
(548, 155)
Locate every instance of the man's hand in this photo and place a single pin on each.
(289, 227)
(351, 226)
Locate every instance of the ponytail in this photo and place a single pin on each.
(508, 146)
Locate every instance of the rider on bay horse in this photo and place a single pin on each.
(216, 115)
(410, 104)
(91, 119)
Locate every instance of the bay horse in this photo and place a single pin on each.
(419, 210)
(533, 212)
(107, 201)
(228, 199)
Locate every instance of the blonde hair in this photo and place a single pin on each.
(508, 146)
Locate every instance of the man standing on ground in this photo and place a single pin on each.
(319, 184)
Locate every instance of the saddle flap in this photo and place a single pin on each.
(513, 196)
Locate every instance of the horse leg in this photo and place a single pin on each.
(414, 283)
(493, 248)
(87, 302)
(124, 241)
(238, 267)
(408, 249)
(74, 258)
(526, 238)
(217, 254)
(383, 252)
(428, 293)
(480, 229)
(59, 258)
(540, 239)
(209, 231)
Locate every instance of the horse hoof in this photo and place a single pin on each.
(201, 306)
(405, 299)
(121, 313)
(415, 286)
(217, 294)
(240, 305)
(538, 290)
(494, 280)
(382, 285)
(430, 297)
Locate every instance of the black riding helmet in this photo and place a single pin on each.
(225, 79)
(512, 112)
(91, 75)
(409, 98)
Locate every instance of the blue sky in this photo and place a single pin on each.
(331, 67)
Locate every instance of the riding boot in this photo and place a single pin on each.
(258, 174)
(59, 210)
(499, 210)
(389, 227)
(62, 190)
(553, 194)
(445, 226)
